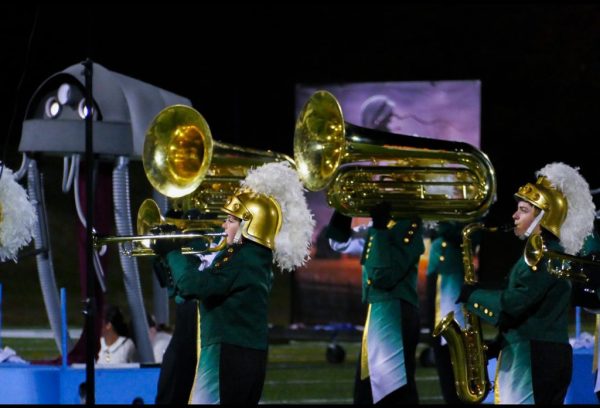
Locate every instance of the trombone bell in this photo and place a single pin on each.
(149, 217)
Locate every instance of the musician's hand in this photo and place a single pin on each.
(465, 292)
(381, 215)
(340, 227)
(174, 213)
(163, 229)
(162, 247)
(507, 322)
(492, 348)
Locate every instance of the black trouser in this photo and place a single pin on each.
(406, 394)
(242, 374)
(551, 371)
(178, 368)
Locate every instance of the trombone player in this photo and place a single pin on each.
(531, 313)
(179, 363)
(268, 222)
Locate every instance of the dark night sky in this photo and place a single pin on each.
(539, 66)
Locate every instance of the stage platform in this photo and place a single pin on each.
(33, 384)
(123, 384)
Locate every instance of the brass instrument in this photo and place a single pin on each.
(183, 162)
(100, 241)
(560, 264)
(467, 349)
(435, 179)
(149, 217)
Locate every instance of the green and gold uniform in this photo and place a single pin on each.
(390, 258)
(535, 361)
(233, 293)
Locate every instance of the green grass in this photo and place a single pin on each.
(32, 349)
(298, 373)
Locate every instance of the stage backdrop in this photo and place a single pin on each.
(328, 289)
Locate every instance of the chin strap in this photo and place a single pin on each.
(238, 235)
(533, 225)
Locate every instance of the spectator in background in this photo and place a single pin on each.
(159, 338)
(115, 345)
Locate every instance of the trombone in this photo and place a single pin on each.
(149, 217)
(100, 241)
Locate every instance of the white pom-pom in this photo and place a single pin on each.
(17, 217)
(579, 222)
(292, 244)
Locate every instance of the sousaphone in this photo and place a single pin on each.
(183, 161)
(360, 167)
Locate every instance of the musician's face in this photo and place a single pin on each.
(231, 227)
(523, 218)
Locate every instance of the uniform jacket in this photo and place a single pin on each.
(390, 262)
(233, 292)
(534, 305)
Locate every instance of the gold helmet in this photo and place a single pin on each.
(545, 196)
(260, 214)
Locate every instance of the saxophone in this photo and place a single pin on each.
(467, 350)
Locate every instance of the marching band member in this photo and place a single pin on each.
(267, 221)
(535, 360)
(390, 257)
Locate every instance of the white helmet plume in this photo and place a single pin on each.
(579, 222)
(292, 243)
